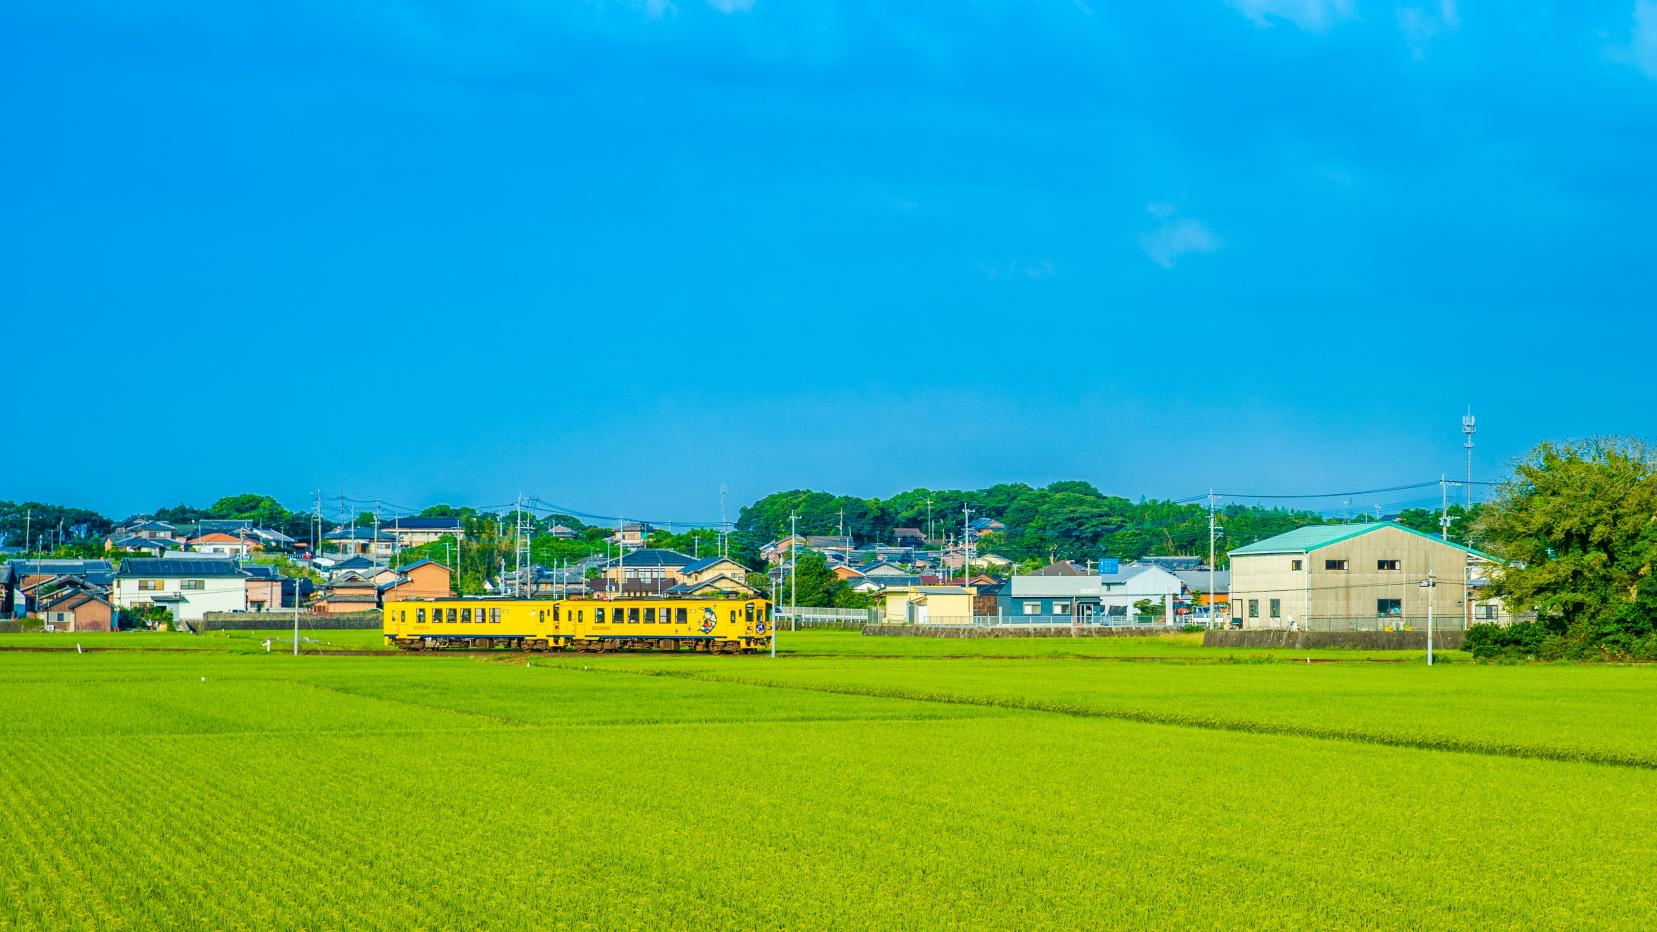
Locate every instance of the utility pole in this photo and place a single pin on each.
(724, 550)
(28, 527)
(1443, 508)
(1427, 584)
(793, 567)
(1211, 602)
(966, 543)
(296, 616)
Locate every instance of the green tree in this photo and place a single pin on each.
(1578, 523)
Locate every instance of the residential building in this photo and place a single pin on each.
(984, 526)
(153, 546)
(927, 605)
(264, 587)
(882, 568)
(1359, 577)
(1100, 598)
(871, 584)
(711, 568)
(143, 528)
(374, 542)
(1063, 568)
(220, 544)
(908, 537)
(422, 579)
(28, 576)
(412, 532)
(632, 535)
(77, 610)
(650, 569)
(562, 533)
(186, 587)
(1197, 584)
(349, 592)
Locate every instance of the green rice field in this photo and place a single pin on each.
(168, 780)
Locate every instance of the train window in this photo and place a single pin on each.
(649, 616)
(465, 615)
(633, 616)
(733, 616)
(598, 616)
(419, 616)
(494, 616)
(452, 616)
(749, 608)
(555, 612)
(679, 615)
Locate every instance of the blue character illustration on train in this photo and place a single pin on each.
(709, 619)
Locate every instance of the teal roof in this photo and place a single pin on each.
(1317, 536)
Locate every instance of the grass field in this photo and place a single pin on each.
(846, 783)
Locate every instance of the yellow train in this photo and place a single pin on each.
(721, 626)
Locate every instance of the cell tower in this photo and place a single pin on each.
(1468, 425)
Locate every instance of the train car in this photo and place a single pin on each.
(727, 626)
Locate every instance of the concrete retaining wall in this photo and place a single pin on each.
(262, 621)
(1014, 631)
(11, 627)
(1352, 640)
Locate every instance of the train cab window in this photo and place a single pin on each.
(419, 616)
(452, 616)
(598, 616)
(633, 616)
(465, 616)
(649, 616)
(749, 608)
(679, 616)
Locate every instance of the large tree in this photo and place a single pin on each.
(1578, 521)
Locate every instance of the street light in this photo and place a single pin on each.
(1427, 584)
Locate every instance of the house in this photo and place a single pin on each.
(777, 551)
(76, 609)
(144, 529)
(546, 582)
(368, 541)
(186, 587)
(1063, 568)
(870, 584)
(869, 553)
(1197, 584)
(985, 526)
(927, 605)
(219, 544)
(349, 592)
(422, 579)
(561, 532)
(650, 569)
(632, 535)
(712, 568)
(338, 563)
(29, 575)
(154, 546)
(721, 585)
(1103, 598)
(267, 540)
(264, 587)
(844, 571)
(908, 537)
(881, 568)
(992, 559)
(1359, 577)
(412, 532)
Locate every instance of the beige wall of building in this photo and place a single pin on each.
(1373, 576)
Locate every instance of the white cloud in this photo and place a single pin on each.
(1642, 46)
(732, 6)
(1419, 24)
(1175, 236)
(1311, 15)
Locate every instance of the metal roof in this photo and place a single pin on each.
(707, 562)
(423, 524)
(1318, 536)
(176, 568)
(654, 556)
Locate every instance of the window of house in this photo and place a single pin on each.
(1386, 564)
(1486, 612)
(1276, 608)
(192, 584)
(149, 585)
(1254, 608)
(1061, 608)
(1389, 606)
(1032, 608)
(1334, 564)
(1294, 564)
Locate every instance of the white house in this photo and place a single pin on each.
(188, 588)
(1092, 598)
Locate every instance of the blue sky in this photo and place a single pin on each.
(616, 254)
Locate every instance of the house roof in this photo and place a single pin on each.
(176, 568)
(55, 567)
(73, 599)
(358, 533)
(654, 556)
(261, 571)
(1061, 568)
(150, 526)
(689, 589)
(708, 562)
(423, 524)
(144, 543)
(1318, 536)
(1197, 580)
(410, 566)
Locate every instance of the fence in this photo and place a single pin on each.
(1346, 623)
(261, 621)
(1065, 630)
(1352, 640)
(1095, 621)
(809, 617)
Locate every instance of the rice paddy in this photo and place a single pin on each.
(851, 782)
